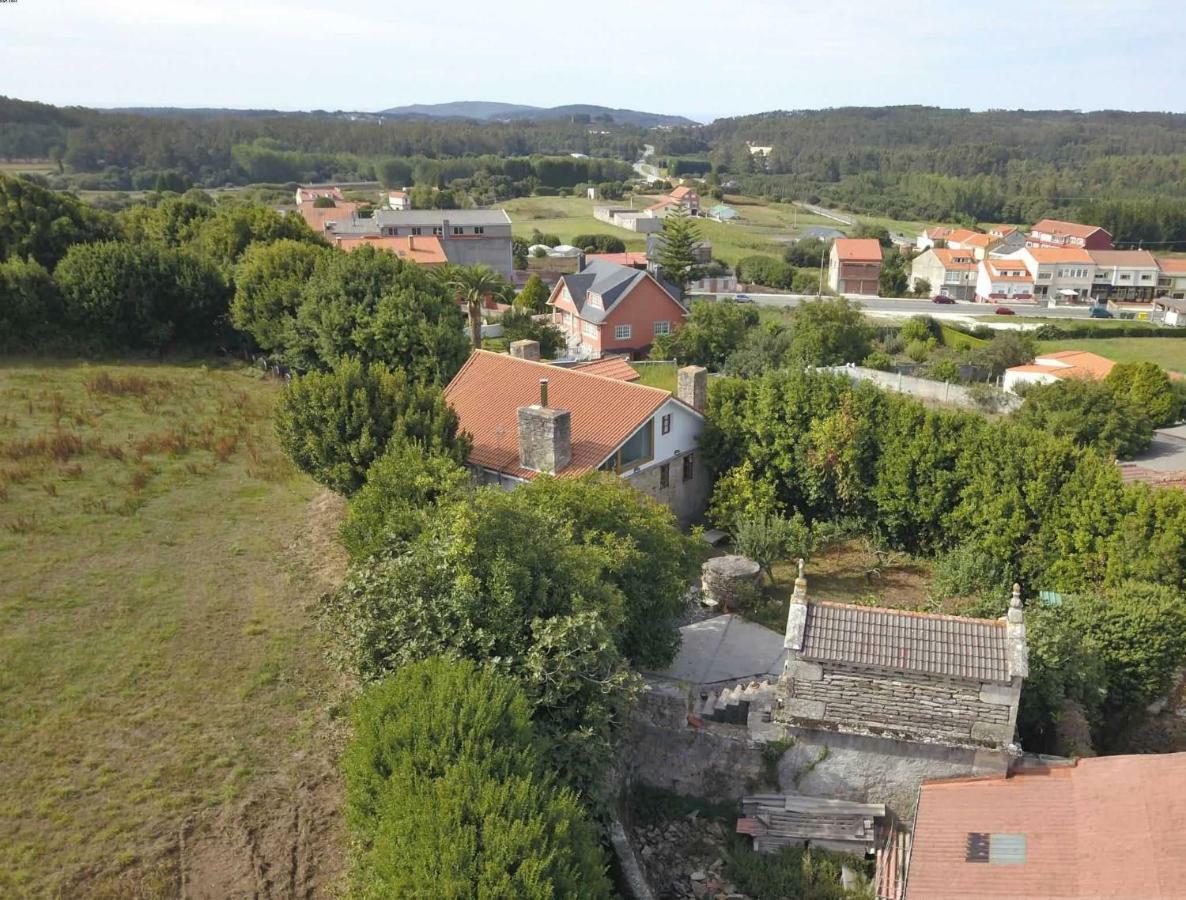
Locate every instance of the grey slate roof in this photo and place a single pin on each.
(949, 646)
(602, 277)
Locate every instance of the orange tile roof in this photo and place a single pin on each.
(488, 391)
(666, 201)
(1074, 364)
(634, 259)
(1173, 266)
(858, 249)
(319, 217)
(995, 268)
(425, 250)
(1059, 254)
(1123, 258)
(980, 240)
(961, 234)
(611, 367)
(1072, 229)
(1002, 230)
(937, 233)
(951, 259)
(1113, 826)
(680, 192)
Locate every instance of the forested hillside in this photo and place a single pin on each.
(1113, 168)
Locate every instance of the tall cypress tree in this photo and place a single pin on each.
(677, 248)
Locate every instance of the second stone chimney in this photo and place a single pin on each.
(692, 386)
(545, 435)
(525, 349)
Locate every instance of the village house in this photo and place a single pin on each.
(1060, 273)
(399, 200)
(1171, 282)
(1010, 238)
(608, 308)
(1055, 233)
(854, 266)
(1172, 310)
(310, 194)
(682, 197)
(1124, 275)
(1110, 826)
(1003, 279)
(323, 219)
(1056, 366)
(467, 236)
(948, 271)
(930, 237)
(526, 418)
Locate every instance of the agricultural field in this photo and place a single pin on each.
(169, 721)
(1169, 353)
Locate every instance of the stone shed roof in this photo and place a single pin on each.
(950, 646)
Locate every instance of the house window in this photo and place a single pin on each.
(438, 230)
(662, 328)
(417, 230)
(1145, 276)
(594, 300)
(1126, 276)
(589, 329)
(665, 476)
(623, 332)
(665, 424)
(457, 229)
(640, 448)
(689, 468)
(478, 229)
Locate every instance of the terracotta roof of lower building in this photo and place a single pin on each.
(611, 367)
(1113, 826)
(488, 391)
(949, 646)
(425, 250)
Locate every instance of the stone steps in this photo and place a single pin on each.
(731, 705)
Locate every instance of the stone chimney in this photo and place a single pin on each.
(797, 612)
(692, 386)
(525, 349)
(1016, 646)
(545, 435)
(411, 242)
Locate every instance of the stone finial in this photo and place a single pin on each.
(797, 612)
(692, 386)
(1016, 644)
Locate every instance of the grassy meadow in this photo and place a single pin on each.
(160, 667)
(1169, 353)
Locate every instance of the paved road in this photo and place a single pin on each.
(920, 307)
(644, 168)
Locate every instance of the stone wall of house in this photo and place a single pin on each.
(687, 499)
(903, 704)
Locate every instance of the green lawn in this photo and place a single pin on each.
(160, 666)
(658, 374)
(1169, 353)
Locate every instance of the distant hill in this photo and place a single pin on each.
(491, 111)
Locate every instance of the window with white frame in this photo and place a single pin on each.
(662, 328)
(438, 230)
(623, 332)
(589, 329)
(478, 229)
(594, 300)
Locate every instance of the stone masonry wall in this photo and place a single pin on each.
(687, 499)
(897, 703)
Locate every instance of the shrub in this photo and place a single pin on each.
(447, 795)
(879, 360)
(767, 538)
(334, 425)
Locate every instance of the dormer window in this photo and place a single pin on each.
(594, 300)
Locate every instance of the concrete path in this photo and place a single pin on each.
(726, 648)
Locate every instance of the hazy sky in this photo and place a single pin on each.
(696, 58)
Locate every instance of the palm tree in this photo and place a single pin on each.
(473, 284)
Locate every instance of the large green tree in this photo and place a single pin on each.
(374, 306)
(119, 295)
(677, 241)
(1090, 413)
(334, 425)
(30, 308)
(269, 283)
(712, 331)
(43, 224)
(830, 332)
(1148, 386)
(448, 795)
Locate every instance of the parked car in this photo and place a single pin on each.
(1005, 311)
(742, 298)
(941, 298)
(1099, 312)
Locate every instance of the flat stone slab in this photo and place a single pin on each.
(726, 648)
(714, 536)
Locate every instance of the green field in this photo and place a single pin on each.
(764, 228)
(1169, 353)
(163, 694)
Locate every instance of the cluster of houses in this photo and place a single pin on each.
(1055, 260)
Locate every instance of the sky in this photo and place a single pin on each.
(686, 57)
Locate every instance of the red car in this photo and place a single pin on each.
(1005, 311)
(941, 298)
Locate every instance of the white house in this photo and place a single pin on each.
(950, 272)
(399, 200)
(1124, 274)
(1062, 273)
(527, 418)
(1051, 367)
(1003, 279)
(309, 194)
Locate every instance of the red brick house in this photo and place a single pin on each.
(854, 266)
(1054, 233)
(607, 308)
